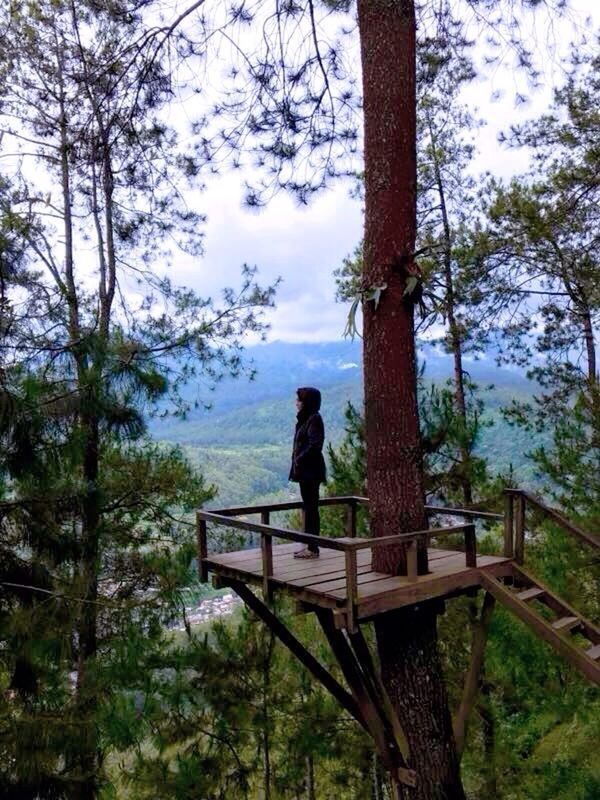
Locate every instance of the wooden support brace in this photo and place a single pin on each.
(287, 638)
(266, 546)
(470, 545)
(520, 529)
(351, 519)
(412, 569)
(351, 589)
(363, 656)
(480, 635)
(379, 726)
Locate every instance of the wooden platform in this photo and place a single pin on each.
(322, 582)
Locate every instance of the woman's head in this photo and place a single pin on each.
(310, 399)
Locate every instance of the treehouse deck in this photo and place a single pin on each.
(343, 590)
(322, 582)
(342, 585)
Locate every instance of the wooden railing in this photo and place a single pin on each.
(349, 545)
(516, 502)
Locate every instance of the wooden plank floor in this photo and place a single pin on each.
(322, 581)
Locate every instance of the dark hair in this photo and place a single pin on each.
(310, 398)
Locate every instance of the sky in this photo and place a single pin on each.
(303, 245)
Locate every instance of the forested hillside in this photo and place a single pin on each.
(243, 442)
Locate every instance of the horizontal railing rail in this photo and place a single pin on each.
(468, 513)
(291, 505)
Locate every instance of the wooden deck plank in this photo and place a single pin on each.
(414, 592)
(531, 593)
(323, 581)
(297, 568)
(282, 550)
(297, 579)
(296, 575)
(566, 623)
(239, 556)
(382, 583)
(334, 587)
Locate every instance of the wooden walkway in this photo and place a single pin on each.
(322, 581)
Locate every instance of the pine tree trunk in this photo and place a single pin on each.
(490, 785)
(394, 456)
(87, 701)
(310, 778)
(460, 402)
(411, 670)
(407, 638)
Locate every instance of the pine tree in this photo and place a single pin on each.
(540, 253)
(97, 543)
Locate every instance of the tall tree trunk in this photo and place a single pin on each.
(406, 638)
(87, 700)
(310, 778)
(266, 720)
(460, 403)
(590, 345)
(86, 760)
(593, 389)
(488, 730)
(394, 455)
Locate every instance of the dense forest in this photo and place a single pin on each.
(128, 401)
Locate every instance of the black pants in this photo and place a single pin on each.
(309, 491)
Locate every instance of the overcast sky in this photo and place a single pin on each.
(304, 245)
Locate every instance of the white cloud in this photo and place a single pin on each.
(304, 245)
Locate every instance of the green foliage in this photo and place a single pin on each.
(238, 716)
(96, 539)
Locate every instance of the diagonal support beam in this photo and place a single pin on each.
(287, 638)
(471, 686)
(367, 697)
(365, 659)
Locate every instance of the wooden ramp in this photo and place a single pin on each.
(322, 582)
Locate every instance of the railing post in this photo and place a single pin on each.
(351, 519)
(508, 525)
(266, 546)
(520, 529)
(265, 518)
(470, 545)
(201, 540)
(412, 560)
(351, 590)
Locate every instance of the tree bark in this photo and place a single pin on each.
(488, 730)
(310, 778)
(411, 670)
(406, 638)
(394, 455)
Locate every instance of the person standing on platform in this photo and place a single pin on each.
(308, 464)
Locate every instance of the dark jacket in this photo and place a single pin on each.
(308, 463)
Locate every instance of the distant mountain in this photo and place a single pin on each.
(243, 443)
(281, 367)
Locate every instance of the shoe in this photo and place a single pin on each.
(306, 553)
